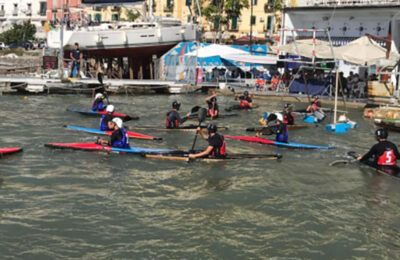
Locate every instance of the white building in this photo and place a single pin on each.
(346, 20)
(13, 11)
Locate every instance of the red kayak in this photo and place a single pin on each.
(10, 150)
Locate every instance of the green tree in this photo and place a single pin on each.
(221, 12)
(131, 15)
(19, 33)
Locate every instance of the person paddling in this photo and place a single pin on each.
(288, 115)
(213, 109)
(314, 105)
(279, 128)
(245, 100)
(382, 154)
(172, 118)
(98, 104)
(107, 118)
(119, 137)
(216, 143)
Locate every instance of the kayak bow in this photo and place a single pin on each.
(9, 150)
(97, 131)
(271, 142)
(98, 147)
(124, 117)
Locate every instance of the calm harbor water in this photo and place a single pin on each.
(57, 204)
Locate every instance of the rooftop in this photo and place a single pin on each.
(339, 3)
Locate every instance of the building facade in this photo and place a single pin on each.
(265, 20)
(14, 11)
(345, 20)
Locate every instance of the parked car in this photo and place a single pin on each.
(2, 46)
(42, 44)
(25, 45)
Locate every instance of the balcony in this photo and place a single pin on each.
(338, 3)
(2, 13)
(15, 12)
(28, 13)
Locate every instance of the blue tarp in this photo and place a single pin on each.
(315, 87)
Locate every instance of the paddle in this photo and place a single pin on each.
(129, 118)
(201, 117)
(351, 154)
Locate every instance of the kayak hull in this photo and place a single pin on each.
(124, 117)
(185, 157)
(10, 150)
(391, 171)
(187, 128)
(99, 132)
(272, 142)
(105, 148)
(292, 127)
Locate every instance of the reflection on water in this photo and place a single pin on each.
(59, 204)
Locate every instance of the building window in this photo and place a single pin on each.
(98, 18)
(254, 2)
(15, 11)
(253, 20)
(43, 8)
(270, 23)
(170, 6)
(216, 23)
(234, 23)
(115, 17)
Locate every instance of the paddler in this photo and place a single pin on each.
(98, 104)
(314, 104)
(288, 115)
(384, 153)
(245, 100)
(216, 143)
(107, 118)
(172, 118)
(119, 137)
(280, 129)
(211, 100)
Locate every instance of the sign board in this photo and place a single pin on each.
(50, 62)
(110, 1)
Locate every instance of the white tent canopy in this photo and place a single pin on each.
(365, 51)
(304, 48)
(215, 50)
(255, 59)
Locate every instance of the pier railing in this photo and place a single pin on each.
(338, 3)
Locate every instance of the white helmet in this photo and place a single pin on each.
(110, 109)
(118, 122)
(279, 117)
(98, 95)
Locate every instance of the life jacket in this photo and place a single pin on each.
(211, 112)
(283, 137)
(244, 103)
(387, 158)
(171, 123)
(219, 151)
(124, 142)
(288, 119)
(98, 105)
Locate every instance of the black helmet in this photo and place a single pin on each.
(381, 133)
(246, 93)
(314, 97)
(287, 105)
(176, 104)
(212, 128)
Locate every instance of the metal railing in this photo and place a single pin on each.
(332, 3)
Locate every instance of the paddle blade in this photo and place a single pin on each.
(353, 154)
(195, 109)
(202, 114)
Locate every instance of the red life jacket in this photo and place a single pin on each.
(211, 112)
(387, 158)
(244, 103)
(170, 124)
